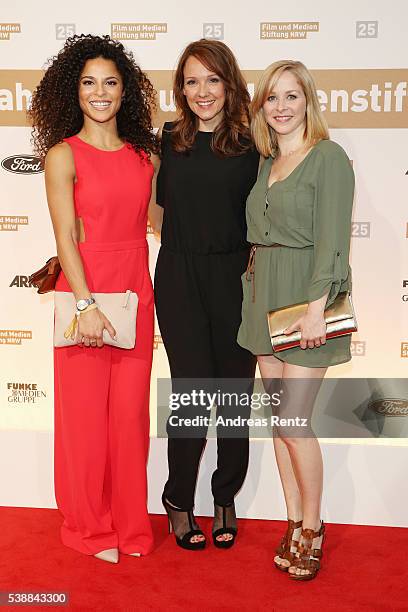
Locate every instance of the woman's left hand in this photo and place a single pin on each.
(312, 327)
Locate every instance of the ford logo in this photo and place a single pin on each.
(390, 407)
(22, 164)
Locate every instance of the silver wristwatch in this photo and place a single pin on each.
(83, 304)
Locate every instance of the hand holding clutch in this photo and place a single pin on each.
(312, 328)
(91, 328)
(339, 318)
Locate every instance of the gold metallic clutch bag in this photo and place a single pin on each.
(340, 321)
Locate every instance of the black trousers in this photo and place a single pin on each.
(198, 306)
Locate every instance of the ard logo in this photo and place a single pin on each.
(21, 281)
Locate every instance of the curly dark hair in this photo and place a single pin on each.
(55, 112)
(232, 137)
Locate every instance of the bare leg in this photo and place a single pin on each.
(299, 459)
(272, 370)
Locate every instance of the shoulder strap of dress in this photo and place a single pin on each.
(74, 142)
(70, 139)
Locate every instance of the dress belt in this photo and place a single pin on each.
(250, 271)
(126, 245)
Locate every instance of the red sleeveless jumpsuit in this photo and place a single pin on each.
(102, 394)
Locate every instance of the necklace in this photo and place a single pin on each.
(292, 152)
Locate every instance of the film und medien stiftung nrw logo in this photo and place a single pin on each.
(15, 336)
(157, 340)
(8, 29)
(22, 164)
(11, 223)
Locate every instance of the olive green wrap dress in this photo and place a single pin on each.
(309, 214)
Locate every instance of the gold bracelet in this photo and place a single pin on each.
(90, 307)
(71, 330)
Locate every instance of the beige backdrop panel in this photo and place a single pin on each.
(357, 55)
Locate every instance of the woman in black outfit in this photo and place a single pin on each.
(208, 167)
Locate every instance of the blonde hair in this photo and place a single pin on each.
(263, 135)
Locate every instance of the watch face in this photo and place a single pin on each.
(82, 304)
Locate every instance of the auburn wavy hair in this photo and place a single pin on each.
(55, 113)
(232, 136)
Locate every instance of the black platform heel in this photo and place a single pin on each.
(184, 540)
(225, 529)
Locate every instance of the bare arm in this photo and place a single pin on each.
(59, 183)
(155, 211)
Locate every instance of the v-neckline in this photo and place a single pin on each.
(268, 187)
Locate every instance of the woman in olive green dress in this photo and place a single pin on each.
(301, 201)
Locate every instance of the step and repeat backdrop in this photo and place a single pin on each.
(356, 53)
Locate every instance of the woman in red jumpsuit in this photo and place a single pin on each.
(92, 123)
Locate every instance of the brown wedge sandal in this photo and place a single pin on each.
(306, 557)
(288, 546)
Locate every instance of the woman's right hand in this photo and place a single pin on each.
(90, 328)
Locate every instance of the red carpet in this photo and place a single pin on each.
(364, 569)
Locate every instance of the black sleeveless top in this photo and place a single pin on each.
(204, 196)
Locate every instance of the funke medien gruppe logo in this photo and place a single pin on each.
(24, 393)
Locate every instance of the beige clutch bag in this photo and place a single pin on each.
(340, 320)
(119, 308)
